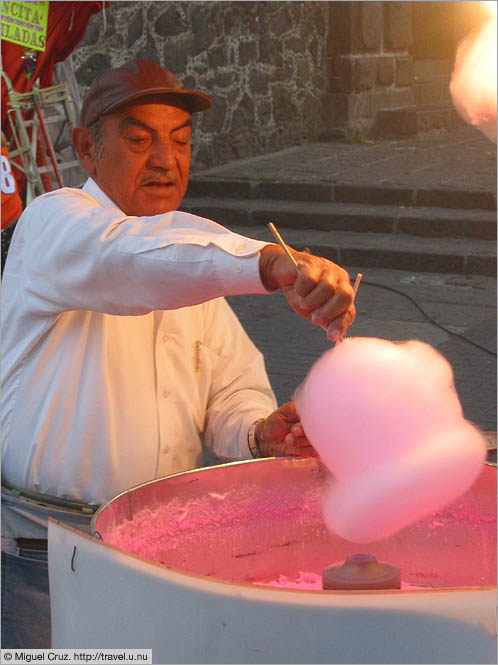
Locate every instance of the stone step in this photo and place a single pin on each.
(437, 116)
(385, 250)
(227, 188)
(431, 222)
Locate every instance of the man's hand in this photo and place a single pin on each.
(281, 434)
(320, 292)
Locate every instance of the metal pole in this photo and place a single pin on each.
(48, 146)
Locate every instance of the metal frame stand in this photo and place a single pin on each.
(30, 116)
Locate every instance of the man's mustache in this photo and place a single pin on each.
(160, 175)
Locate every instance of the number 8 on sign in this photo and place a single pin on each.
(8, 182)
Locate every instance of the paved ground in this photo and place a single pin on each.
(461, 308)
(462, 160)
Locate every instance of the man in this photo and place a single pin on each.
(119, 351)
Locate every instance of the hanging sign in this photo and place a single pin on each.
(25, 23)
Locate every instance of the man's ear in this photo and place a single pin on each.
(84, 145)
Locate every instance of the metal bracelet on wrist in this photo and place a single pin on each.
(252, 439)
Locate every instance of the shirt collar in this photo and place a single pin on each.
(94, 190)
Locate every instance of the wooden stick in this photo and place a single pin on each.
(356, 284)
(277, 235)
(355, 291)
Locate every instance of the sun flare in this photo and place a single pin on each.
(473, 82)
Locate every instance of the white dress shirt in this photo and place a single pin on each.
(118, 349)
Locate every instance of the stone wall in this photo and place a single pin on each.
(264, 63)
(371, 68)
(285, 73)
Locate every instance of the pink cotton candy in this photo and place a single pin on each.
(473, 81)
(387, 422)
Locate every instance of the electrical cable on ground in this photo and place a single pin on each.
(429, 318)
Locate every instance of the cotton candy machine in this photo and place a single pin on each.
(224, 564)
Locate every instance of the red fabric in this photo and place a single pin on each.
(66, 25)
(11, 201)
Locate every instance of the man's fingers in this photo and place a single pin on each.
(337, 328)
(296, 438)
(311, 274)
(339, 309)
(299, 441)
(324, 316)
(322, 293)
(281, 433)
(298, 447)
(297, 430)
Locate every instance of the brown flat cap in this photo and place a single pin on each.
(116, 87)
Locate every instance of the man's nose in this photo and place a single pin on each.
(162, 155)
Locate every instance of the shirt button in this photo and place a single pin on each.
(165, 450)
(165, 338)
(239, 269)
(166, 393)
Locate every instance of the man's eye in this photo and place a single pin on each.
(182, 138)
(138, 143)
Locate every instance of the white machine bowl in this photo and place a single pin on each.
(179, 565)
